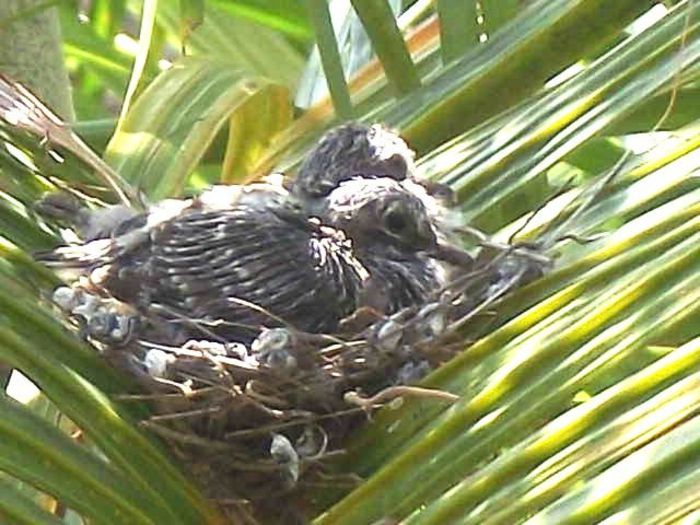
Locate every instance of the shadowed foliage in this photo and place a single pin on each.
(569, 128)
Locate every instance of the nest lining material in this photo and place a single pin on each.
(250, 421)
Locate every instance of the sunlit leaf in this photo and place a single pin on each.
(239, 43)
(251, 129)
(578, 393)
(174, 121)
(16, 507)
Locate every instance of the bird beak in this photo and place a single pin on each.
(451, 254)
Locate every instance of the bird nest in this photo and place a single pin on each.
(258, 424)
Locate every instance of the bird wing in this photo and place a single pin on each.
(257, 263)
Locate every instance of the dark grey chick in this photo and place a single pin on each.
(352, 150)
(238, 258)
(356, 229)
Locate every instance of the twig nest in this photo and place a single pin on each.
(274, 348)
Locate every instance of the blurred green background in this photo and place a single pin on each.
(579, 396)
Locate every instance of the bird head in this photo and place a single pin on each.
(380, 210)
(352, 150)
(392, 217)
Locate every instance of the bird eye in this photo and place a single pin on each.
(395, 219)
(406, 222)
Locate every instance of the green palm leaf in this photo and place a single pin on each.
(578, 393)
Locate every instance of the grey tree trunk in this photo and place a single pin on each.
(31, 52)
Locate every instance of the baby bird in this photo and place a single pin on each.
(362, 233)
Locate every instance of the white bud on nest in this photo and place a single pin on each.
(389, 336)
(272, 339)
(273, 348)
(284, 454)
(156, 362)
(124, 327)
(432, 321)
(412, 372)
(87, 307)
(66, 298)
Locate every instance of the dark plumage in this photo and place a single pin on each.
(214, 255)
(237, 258)
(355, 150)
(352, 150)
